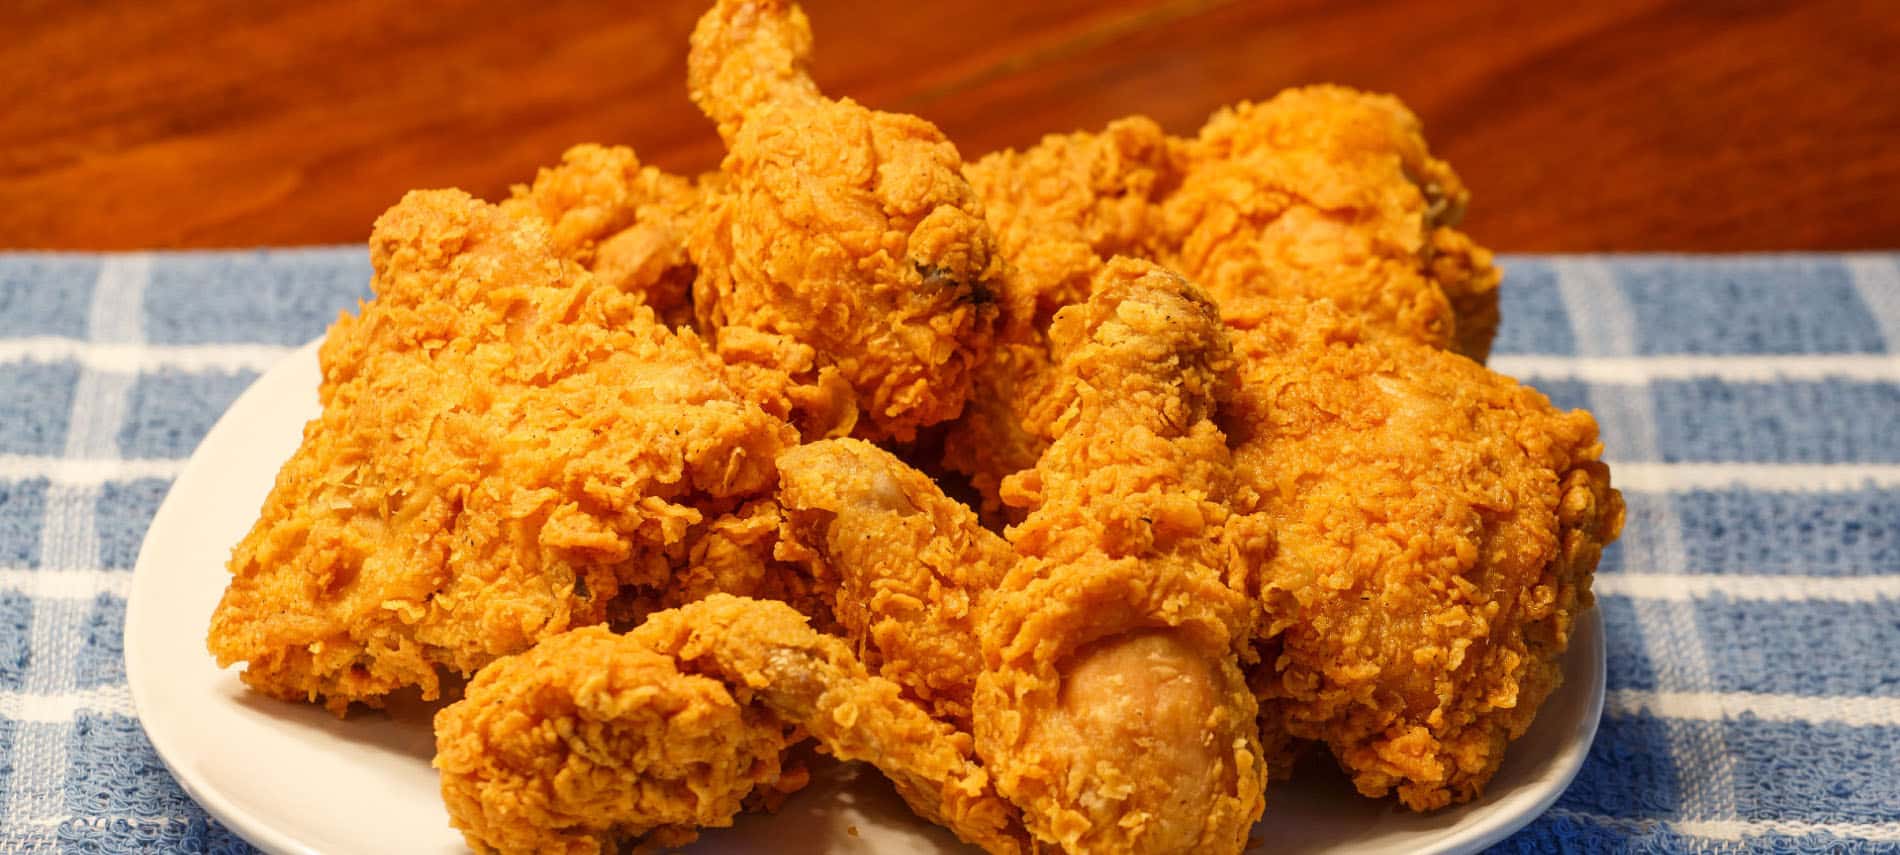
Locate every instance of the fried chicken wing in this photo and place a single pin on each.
(848, 231)
(592, 739)
(1437, 526)
(506, 446)
(1325, 192)
(1112, 708)
(909, 566)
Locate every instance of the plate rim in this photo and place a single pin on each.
(1588, 626)
(158, 729)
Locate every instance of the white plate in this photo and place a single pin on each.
(292, 778)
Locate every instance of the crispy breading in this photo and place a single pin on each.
(506, 445)
(1437, 528)
(1325, 192)
(1112, 708)
(556, 750)
(844, 229)
(625, 222)
(1322, 192)
(1060, 209)
(909, 566)
(1064, 206)
(587, 740)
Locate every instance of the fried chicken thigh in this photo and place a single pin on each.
(593, 739)
(841, 238)
(506, 446)
(1436, 525)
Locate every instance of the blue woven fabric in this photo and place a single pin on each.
(1750, 407)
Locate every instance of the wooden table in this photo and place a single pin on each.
(1618, 125)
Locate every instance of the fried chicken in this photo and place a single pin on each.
(592, 739)
(1321, 192)
(1325, 192)
(909, 566)
(507, 445)
(1112, 708)
(589, 738)
(1437, 526)
(631, 225)
(1108, 700)
(847, 231)
(1059, 210)
(626, 223)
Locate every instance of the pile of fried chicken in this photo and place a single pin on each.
(662, 464)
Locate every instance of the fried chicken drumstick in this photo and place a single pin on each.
(1112, 708)
(1108, 702)
(910, 567)
(840, 237)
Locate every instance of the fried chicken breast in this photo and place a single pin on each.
(507, 445)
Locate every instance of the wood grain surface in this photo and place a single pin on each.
(1615, 125)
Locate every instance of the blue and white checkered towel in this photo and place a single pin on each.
(1750, 405)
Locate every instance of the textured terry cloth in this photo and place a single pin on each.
(1750, 406)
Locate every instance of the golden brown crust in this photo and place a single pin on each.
(1131, 591)
(990, 441)
(909, 565)
(1329, 193)
(1059, 209)
(626, 223)
(734, 553)
(879, 261)
(590, 739)
(1321, 192)
(505, 445)
(555, 749)
(1437, 527)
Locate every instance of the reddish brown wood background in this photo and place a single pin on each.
(1618, 125)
